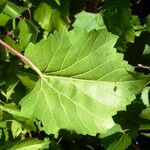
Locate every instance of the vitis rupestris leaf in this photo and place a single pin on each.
(84, 82)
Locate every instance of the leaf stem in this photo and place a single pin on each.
(11, 49)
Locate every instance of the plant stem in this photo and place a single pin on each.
(25, 59)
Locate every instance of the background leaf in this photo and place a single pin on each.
(13, 10)
(46, 16)
(27, 144)
(86, 22)
(4, 19)
(146, 113)
(121, 141)
(2, 4)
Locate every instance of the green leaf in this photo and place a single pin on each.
(13, 43)
(146, 52)
(10, 83)
(2, 5)
(33, 144)
(117, 16)
(116, 128)
(148, 22)
(57, 1)
(125, 118)
(12, 121)
(145, 126)
(146, 134)
(48, 18)
(115, 139)
(27, 32)
(146, 113)
(13, 10)
(16, 128)
(28, 79)
(10, 108)
(86, 22)
(84, 82)
(120, 141)
(146, 96)
(4, 19)
(136, 24)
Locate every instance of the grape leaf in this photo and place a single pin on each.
(11, 119)
(27, 32)
(87, 21)
(146, 52)
(4, 19)
(146, 96)
(148, 22)
(115, 138)
(46, 16)
(117, 16)
(121, 142)
(125, 118)
(26, 144)
(13, 10)
(146, 113)
(29, 80)
(57, 1)
(2, 4)
(84, 82)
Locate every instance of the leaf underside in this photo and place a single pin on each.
(85, 82)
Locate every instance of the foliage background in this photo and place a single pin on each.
(23, 22)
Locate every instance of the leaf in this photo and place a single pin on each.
(86, 22)
(27, 32)
(146, 113)
(28, 79)
(26, 144)
(118, 20)
(13, 43)
(79, 89)
(13, 10)
(11, 114)
(116, 128)
(146, 134)
(57, 1)
(2, 4)
(122, 141)
(10, 108)
(148, 22)
(136, 24)
(16, 128)
(10, 83)
(48, 18)
(145, 126)
(146, 52)
(146, 96)
(4, 19)
(115, 139)
(125, 118)
(117, 16)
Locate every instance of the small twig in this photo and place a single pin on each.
(8, 47)
(29, 11)
(144, 67)
(126, 130)
(59, 140)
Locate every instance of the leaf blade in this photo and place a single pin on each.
(80, 90)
